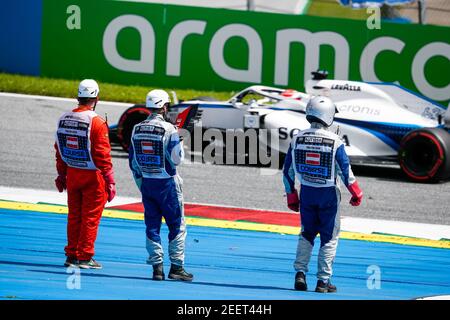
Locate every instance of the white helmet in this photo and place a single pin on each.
(321, 109)
(88, 88)
(156, 99)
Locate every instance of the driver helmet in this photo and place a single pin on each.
(321, 109)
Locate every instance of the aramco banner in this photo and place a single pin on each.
(217, 49)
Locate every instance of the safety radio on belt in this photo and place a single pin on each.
(73, 139)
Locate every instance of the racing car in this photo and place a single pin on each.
(380, 123)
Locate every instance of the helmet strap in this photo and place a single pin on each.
(95, 104)
(164, 112)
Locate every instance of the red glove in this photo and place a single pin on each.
(60, 183)
(111, 189)
(293, 202)
(357, 194)
(110, 185)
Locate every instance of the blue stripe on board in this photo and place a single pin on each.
(20, 36)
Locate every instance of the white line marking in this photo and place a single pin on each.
(408, 229)
(50, 196)
(36, 97)
(351, 224)
(443, 297)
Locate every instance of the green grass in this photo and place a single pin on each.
(108, 91)
(331, 8)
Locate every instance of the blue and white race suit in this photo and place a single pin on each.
(154, 153)
(318, 159)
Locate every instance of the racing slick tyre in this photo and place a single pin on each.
(127, 121)
(424, 155)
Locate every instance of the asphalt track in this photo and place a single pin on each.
(226, 263)
(27, 128)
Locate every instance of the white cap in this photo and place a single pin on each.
(156, 99)
(88, 88)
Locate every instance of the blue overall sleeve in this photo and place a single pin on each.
(343, 166)
(137, 174)
(288, 172)
(175, 149)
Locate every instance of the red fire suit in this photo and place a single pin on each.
(86, 187)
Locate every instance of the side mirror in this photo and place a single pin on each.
(252, 104)
(237, 104)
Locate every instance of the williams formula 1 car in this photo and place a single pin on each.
(379, 122)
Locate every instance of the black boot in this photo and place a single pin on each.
(178, 273)
(158, 272)
(71, 262)
(325, 287)
(89, 264)
(300, 282)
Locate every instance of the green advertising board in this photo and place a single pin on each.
(216, 49)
